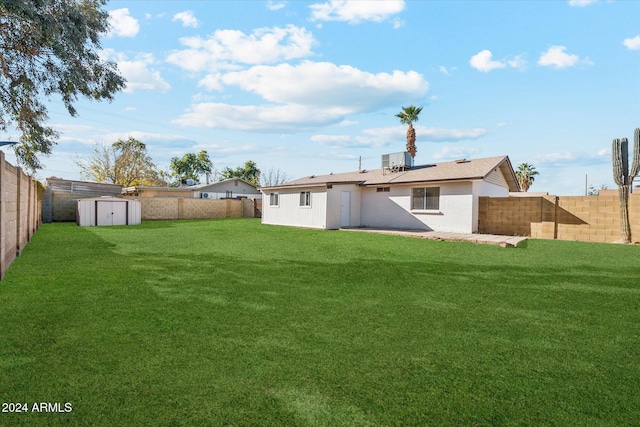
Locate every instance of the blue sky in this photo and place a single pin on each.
(312, 87)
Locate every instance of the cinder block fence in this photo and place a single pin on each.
(583, 218)
(187, 208)
(20, 209)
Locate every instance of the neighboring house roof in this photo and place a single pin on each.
(460, 170)
(128, 190)
(201, 187)
(88, 187)
(197, 187)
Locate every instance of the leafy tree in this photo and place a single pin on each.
(592, 190)
(191, 166)
(46, 48)
(273, 177)
(407, 116)
(526, 174)
(249, 172)
(124, 162)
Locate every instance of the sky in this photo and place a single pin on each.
(313, 87)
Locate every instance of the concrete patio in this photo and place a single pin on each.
(491, 239)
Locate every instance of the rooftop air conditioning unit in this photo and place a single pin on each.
(205, 195)
(399, 161)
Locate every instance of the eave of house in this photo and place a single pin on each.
(467, 170)
(324, 184)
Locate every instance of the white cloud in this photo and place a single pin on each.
(377, 137)
(305, 96)
(557, 58)
(137, 72)
(224, 48)
(267, 118)
(581, 3)
(482, 62)
(72, 128)
(327, 85)
(448, 135)
(355, 11)
(345, 141)
(454, 153)
(632, 43)
(187, 19)
(122, 24)
(275, 5)
(602, 156)
(211, 82)
(397, 23)
(146, 137)
(518, 62)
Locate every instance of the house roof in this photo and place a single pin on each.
(196, 187)
(214, 184)
(128, 190)
(459, 170)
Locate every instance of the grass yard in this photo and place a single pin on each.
(230, 322)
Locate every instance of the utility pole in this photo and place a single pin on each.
(586, 189)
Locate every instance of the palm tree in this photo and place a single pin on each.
(526, 175)
(407, 116)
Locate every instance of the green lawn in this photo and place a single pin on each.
(230, 322)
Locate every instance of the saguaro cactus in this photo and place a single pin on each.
(624, 178)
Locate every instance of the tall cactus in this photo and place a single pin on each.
(624, 178)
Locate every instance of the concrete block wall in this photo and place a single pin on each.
(19, 212)
(8, 213)
(512, 216)
(583, 218)
(65, 205)
(159, 208)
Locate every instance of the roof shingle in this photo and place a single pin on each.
(438, 172)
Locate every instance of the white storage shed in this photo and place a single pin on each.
(108, 211)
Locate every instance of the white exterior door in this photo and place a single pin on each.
(110, 213)
(345, 209)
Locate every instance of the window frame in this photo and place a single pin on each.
(305, 199)
(276, 196)
(426, 198)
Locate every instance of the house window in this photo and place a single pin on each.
(305, 198)
(383, 189)
(229, 194)
(425, 198)
(274, 199)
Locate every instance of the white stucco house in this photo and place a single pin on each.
(227, 188)
(231, 188)
(438, 197)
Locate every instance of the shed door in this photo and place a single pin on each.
(111, 213)
(345, 209)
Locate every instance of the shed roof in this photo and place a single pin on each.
(108, 199)
(459, 170)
